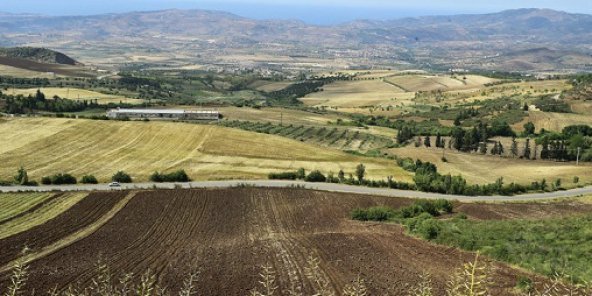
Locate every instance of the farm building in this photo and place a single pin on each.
(163, 114)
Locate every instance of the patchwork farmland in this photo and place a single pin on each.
(227, 234)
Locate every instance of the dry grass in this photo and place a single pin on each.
(554, 121)
(358, 93)
(13, 204)
(23, 73)
(41, 215)
(486, 169)
(414, 83)
(277, 115)
(74, 94)
(206, 152)
(74, 237)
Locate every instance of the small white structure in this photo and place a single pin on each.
(177, 114)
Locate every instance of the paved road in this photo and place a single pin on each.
(316, 186)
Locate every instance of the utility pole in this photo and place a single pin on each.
(578, 157)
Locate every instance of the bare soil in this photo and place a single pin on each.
(79, 216)
(227, 234)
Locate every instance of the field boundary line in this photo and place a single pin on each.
(67, 241)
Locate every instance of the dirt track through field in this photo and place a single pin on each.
(227, 234)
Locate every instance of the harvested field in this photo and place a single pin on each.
(483, 169)
(358, 93)
(65, 70)
(77, 217)
(554, 121)
(74, 94)
(414, 83)
(40, 215)
(206, 152)
(229, 233)
(14, 205)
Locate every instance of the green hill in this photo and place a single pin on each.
(39, 55)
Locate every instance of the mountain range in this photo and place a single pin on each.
(513, 40)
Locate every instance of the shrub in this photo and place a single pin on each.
(89, 179)
(300, 174)
(177, 176)
(373, 214)
(444, 205)
(59, 179)
(46, 180)
(428, 229)
(283, 176)
(121, 177)
(315, 176)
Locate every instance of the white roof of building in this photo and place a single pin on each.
(161, 111)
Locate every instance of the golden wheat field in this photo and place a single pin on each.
(74, 94)
(487, 169)
(206, 152)
(358, 93)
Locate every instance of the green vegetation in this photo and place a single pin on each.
(89, 179)
(59, 179)
(550, 246)
(121, 177)
(332, 137)
(176, 176)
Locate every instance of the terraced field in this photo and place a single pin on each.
(326, 136)
(206, 152)
(229, 233)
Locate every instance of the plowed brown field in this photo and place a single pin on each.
(229, 233)
(79, 216)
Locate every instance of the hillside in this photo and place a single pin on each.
(444, 42)
(39, 55)
(49, 146)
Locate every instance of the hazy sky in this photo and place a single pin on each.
(314, 11)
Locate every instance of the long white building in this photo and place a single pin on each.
(163, 114)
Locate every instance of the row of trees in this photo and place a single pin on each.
(22, 105)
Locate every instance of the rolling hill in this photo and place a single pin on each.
(199, 36)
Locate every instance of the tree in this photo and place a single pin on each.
(427, 142)
(527, 149)
(22, 178)
(418, 142)
(495, 149)
(360, 172)
(301, 174)
(439, 141)
(545, 153)
(89, 179)
(483, 147)
(514, 148)
(315, 176)
(500, 148)
(529, 129)
(458, 135)
(341, 176)
(121, 177)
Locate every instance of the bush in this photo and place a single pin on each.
(283, 176)
(58, 179)
(177, 176)
(315, 176)
(373, 214)
(300, 174)
(46, 180)
(121, 177)
(428, 229)
(89, 179)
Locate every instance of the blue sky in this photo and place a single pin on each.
(313, 11)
